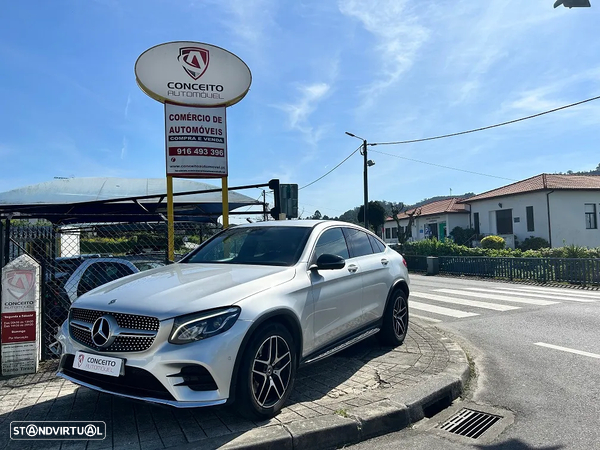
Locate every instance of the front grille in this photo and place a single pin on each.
(121, 343)
(197, 378)
(132, 321)
(137, 382)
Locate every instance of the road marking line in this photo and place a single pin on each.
(559, 291)
(571, 295)
(425, 318)
(570, 350)
(460, 301)
(532, 294)
(498, 297)
(440, 310)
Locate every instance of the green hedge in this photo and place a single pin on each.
(433, 247)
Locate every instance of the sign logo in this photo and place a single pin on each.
(80, 361)
(20, 282)
(194, 61)
(101, 331)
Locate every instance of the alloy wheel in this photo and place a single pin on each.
(271, 371)
(400, 317)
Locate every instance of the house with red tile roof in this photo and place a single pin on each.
(435, 219)
(563, 209)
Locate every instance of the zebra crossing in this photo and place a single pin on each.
(436, 302)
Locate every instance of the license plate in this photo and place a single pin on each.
(104, 365)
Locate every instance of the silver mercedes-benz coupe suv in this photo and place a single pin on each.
(234, 320)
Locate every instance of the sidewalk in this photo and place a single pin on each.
(366, 390)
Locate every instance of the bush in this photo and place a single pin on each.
(534, 243)
(493, 242)
(462, 236)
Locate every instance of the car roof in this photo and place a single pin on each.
(293, 223)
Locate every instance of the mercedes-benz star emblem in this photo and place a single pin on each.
(102, 331)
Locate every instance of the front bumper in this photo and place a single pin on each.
(155, 375)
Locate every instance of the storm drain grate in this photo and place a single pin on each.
(470, 423)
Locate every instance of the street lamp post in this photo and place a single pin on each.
(366, 163)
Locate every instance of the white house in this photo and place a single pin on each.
(435, 219)
(563, 209)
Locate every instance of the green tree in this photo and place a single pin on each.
(376, 215)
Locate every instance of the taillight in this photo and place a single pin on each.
(404, 261)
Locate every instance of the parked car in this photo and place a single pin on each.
(234, 320)
(74, 276)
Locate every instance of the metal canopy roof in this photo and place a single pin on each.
(80, 200)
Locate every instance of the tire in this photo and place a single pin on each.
(267, 372)
(395, 320)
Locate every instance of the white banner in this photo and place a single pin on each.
(196, 141)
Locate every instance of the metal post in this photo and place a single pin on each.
(7, 242)
(170, 221)
(366, 187)
(265, 217)
(225, 199)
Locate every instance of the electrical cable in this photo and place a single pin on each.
(323, 176)
(490, 126)
(444, 167)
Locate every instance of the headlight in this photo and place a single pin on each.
(197, 326)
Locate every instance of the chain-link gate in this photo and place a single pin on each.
(78, 258)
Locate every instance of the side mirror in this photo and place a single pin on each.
(329, 262)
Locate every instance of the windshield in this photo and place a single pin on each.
(272, 246)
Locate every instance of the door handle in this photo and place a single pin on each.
(384, 261)
(352, 268)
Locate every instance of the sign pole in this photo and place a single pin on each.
(225, 198)
(170, 220)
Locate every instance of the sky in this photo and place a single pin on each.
(384, 70)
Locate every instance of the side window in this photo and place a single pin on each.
(358, 241)
(376, 244)
(332, 241)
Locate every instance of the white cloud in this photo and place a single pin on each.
(398, 32)
(300, 111)
(124, 148)
(127, 105)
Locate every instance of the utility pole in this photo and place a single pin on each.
(366, 185)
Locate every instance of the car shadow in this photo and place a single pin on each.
(321, 388)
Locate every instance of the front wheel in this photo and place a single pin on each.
(267, 372)
(395, 320)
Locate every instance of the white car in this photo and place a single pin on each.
(235, 319)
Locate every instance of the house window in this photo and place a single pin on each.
(590, 216)
(387, 233)
(530, 226)
(504, 223)
(394, 233)
(476, 222)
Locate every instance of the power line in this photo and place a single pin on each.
(488, 127)
(323, 176)
(444, 167)
(452, 135)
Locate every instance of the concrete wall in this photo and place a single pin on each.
(518, 204)
(567, 216)
(567, 213)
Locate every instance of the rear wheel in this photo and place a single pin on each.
(267, 372)
(395, 320)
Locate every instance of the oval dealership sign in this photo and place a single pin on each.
(192, 73)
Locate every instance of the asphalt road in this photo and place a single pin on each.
(541, 361)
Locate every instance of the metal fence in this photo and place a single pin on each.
(583, 271)
(78, 258)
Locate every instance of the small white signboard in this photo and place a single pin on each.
(196, 141)
(20, 316)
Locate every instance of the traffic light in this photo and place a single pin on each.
(274, 186)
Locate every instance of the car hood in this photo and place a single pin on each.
(180, 289)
